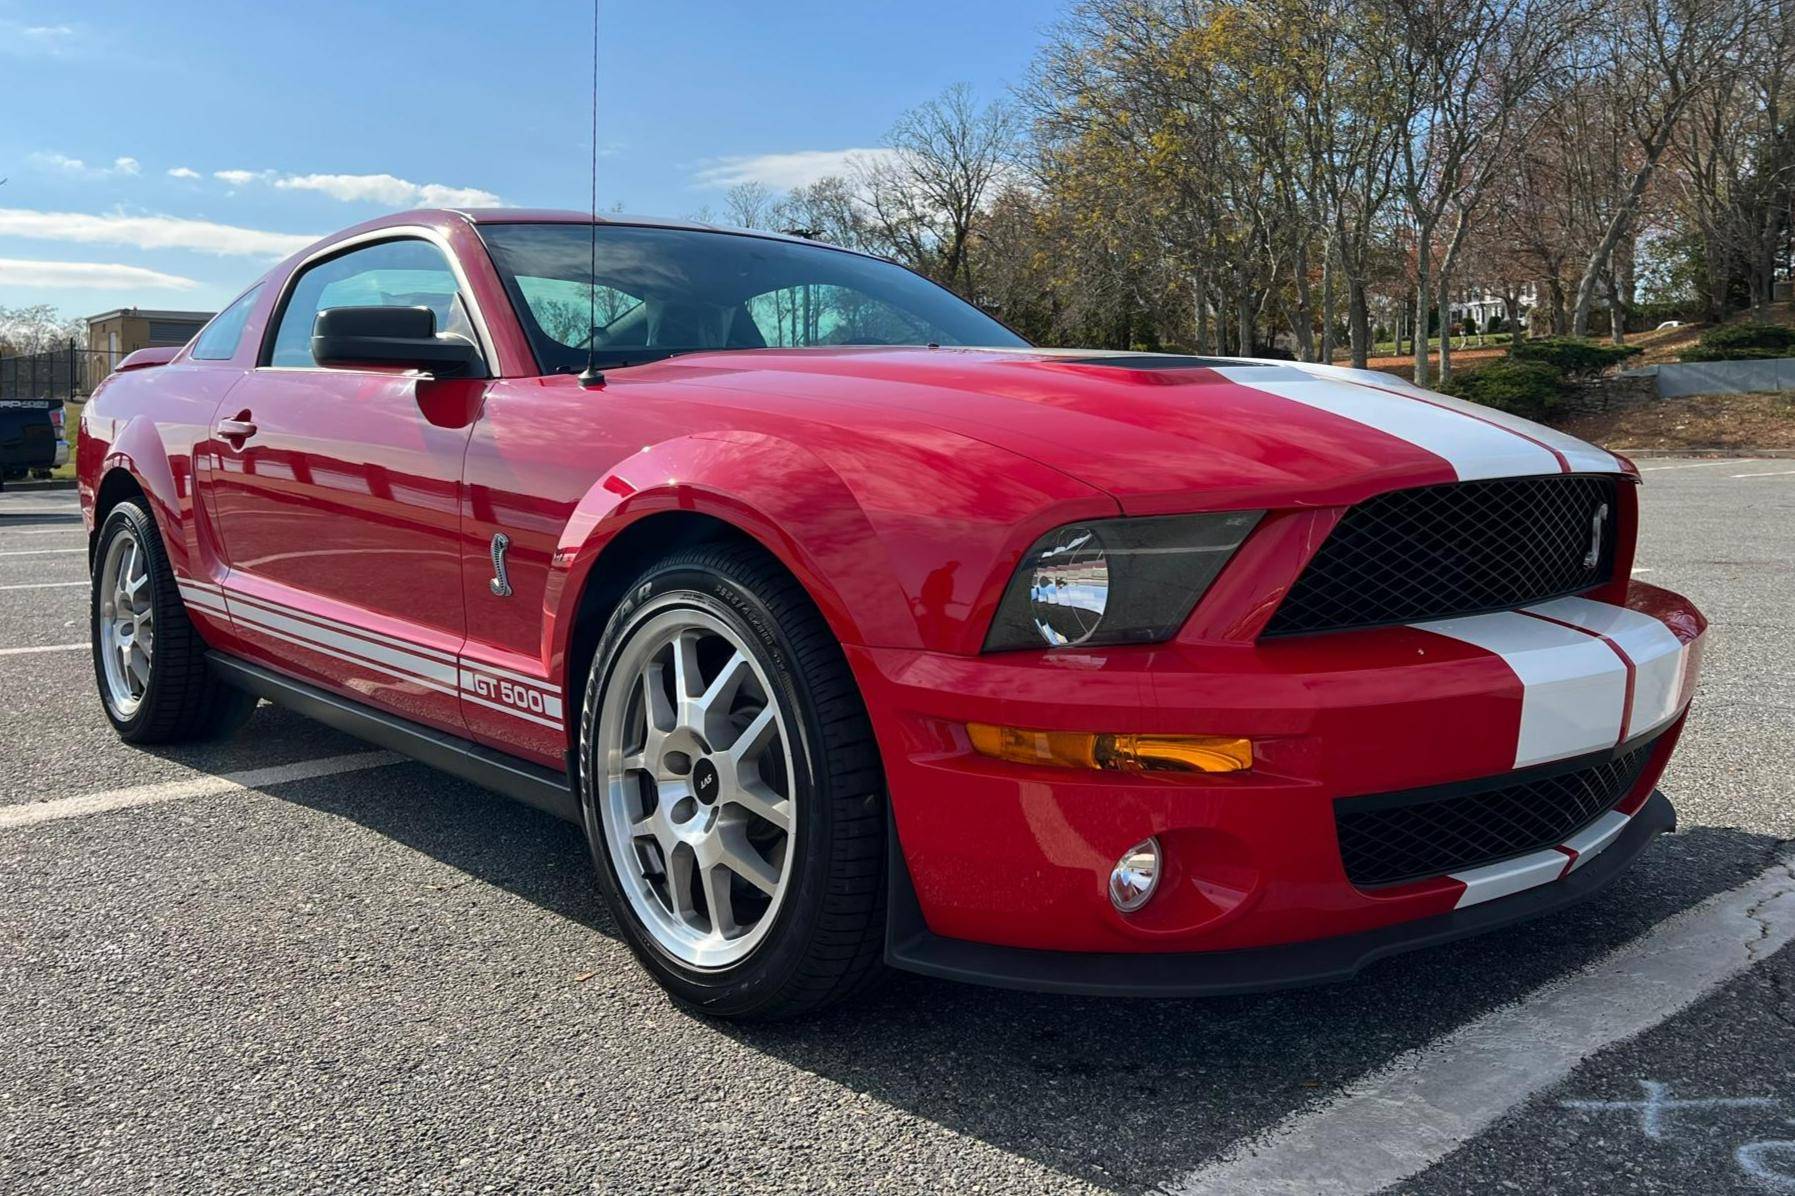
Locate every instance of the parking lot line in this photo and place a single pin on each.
(1410, 1114)
(1698, 464)
(14, 530)
(43, 552)
(44, 585)
(32, 813)
(42, 648)
(1775, 473)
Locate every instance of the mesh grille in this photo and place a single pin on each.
(1393, 838)
(1457, 549)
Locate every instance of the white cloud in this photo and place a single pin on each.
(76, 168)
(150, 232)
(21, 272)
(782, 172)
(237, 178)
(182, 172)
(389, 190)
(49, 41)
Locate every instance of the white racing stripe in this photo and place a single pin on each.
(1403, 1118)
(1659, 657)
(1595, 837)
(528, 698)
(1573, 686)
(33, 813)
(1510, 876)
(1474, 448)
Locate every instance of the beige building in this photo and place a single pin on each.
(113, 334)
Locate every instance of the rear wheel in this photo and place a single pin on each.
(149, 660)
(731, 788)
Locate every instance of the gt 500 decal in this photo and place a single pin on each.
(530, 699)
(506, 691)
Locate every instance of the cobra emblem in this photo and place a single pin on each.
(501, 581)
(1594, 555)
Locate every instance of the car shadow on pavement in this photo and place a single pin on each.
(1121, 1094)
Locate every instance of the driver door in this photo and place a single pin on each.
(337, 494)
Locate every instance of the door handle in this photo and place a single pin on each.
(236, 430)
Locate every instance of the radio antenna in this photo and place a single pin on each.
(590, 378)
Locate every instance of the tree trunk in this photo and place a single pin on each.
(1620, 221)
(1445, 293)
(1327, 304)
(1423, 300)
(1358, 319)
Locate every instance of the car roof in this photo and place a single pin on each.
(479, 216)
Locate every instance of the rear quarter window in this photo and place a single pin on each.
(218, 342)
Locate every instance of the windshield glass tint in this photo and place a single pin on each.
(661, 291)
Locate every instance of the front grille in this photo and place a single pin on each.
(1389, 838)
(1457, 549)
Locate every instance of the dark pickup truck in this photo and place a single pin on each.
(31, 438)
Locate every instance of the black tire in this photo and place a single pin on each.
(827, 940)
(182, 700)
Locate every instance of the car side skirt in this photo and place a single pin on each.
(532, 784)
(911, 946)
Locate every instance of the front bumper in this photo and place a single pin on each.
(1017, 858)
(910, 946)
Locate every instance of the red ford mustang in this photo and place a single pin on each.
(853, 630)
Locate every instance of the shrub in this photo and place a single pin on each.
(1743, 342)
(1573, 357)
(1532, 389)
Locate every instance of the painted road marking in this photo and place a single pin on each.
(44, 585)
(1642, 569)
(1699, 464)
(1775, 473)
(38, 531)
(1405, 1117)
(43, 552)
(42, 648)
(32, 813)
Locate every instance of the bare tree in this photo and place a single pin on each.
(1658, 57)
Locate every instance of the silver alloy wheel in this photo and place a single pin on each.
(697, 793)
(127, 623)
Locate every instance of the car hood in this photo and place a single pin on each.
(1153, 430)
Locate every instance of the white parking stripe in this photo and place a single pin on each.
(1696, 465)
(8, 530)
(44, 552)
(1776, 473)
(44, 585)
(42, 648)
(32, 813)
(1410, 1114)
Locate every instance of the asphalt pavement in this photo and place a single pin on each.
(232, 968)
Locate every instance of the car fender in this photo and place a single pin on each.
(748, 480)
(900, 543)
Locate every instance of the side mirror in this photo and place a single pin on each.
(401, 336)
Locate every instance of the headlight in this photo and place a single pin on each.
(1115, 581)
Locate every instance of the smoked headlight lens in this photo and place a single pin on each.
(1115, 581)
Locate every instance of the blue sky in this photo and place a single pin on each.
(163, 155)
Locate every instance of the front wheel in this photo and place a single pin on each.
(731, 789)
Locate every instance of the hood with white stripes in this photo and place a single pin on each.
(1160, 432)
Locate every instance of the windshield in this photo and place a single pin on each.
(662, 291)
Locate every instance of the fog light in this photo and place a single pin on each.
(1132, 881)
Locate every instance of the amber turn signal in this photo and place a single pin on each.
(1113, 753)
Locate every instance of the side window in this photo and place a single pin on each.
(219, 340)
(406, 273)
(823, 314)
